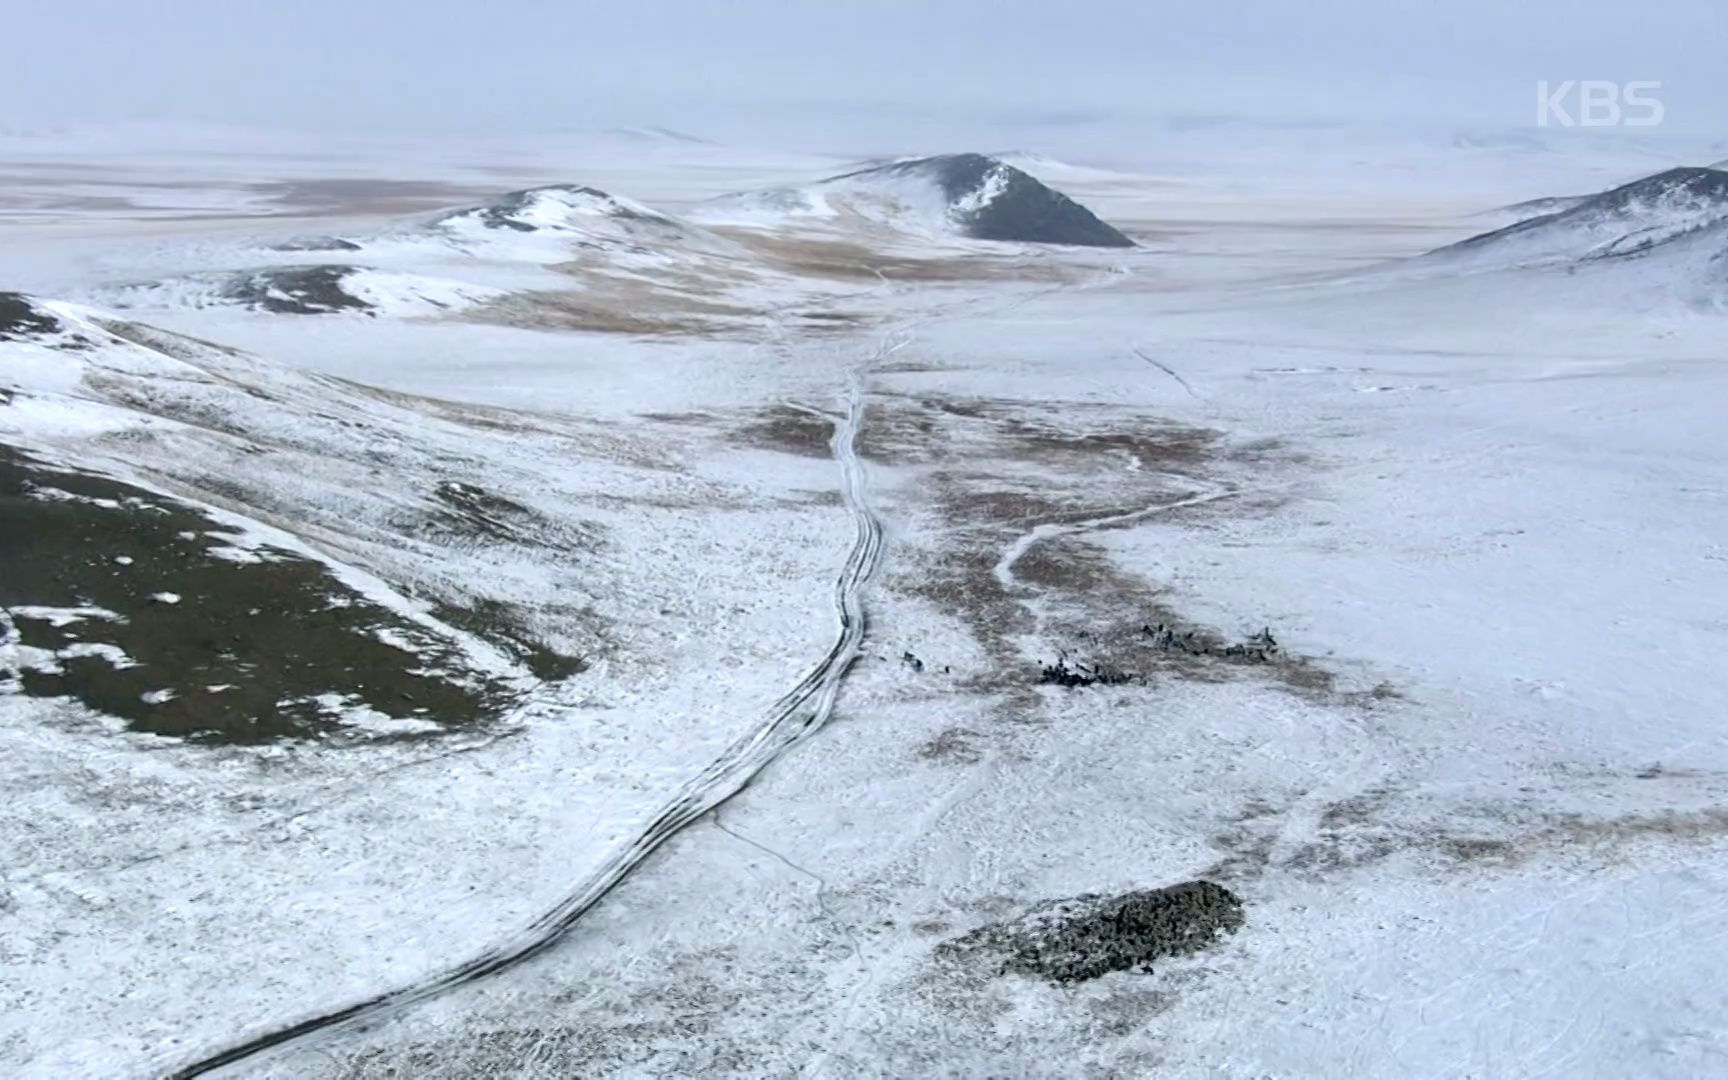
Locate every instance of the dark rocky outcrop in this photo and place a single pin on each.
(20, 319)
(1093, 934)
(294, 290)
(316, 243)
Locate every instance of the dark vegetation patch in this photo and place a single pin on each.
(20, 319)
(316, 243)
(1090, 935)
(209, 648)
(295, 290)
(510, 626)
(1369, 828)
(468, 511)
(789, 430)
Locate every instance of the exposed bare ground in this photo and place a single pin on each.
(788, 429)
(564, 434)
(849, 260)
(367, 195)
(988, 472)
(1384, 822)
(642, 314)
(1081, 437)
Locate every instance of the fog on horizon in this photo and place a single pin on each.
(738, 70)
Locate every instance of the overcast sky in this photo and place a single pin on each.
(734, 68)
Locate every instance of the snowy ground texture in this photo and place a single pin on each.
(685, 569)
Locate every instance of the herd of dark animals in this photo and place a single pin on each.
(1259, 649)
(1084, 674)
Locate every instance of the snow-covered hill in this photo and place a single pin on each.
(543, 225)
(970, 196)
(1633, 217)
(561, 255)
(584, 215)
(1658, 242)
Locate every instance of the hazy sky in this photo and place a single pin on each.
(731, 68)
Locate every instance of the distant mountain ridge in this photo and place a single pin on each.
(1633, 217)
(1656, 241)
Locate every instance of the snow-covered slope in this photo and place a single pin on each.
(950, 195)
(1467, 813)
(585, 215)
(545, 225)
(320, 289)
(1533, 208)
(150, 576)
(1659, 242)
(1632, 217)
(553, 255)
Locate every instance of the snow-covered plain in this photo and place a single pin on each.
(1476, 814)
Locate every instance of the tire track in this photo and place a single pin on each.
(1003, 571)
(799, 713)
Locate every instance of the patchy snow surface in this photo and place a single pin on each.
(1475, 807)
(549, 225)
(302, 290)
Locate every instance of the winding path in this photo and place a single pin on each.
(798, 714)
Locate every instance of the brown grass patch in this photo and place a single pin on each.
(1359, 832)
(788, 429)
(545, 310)
(851, 260)
(955, 745)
